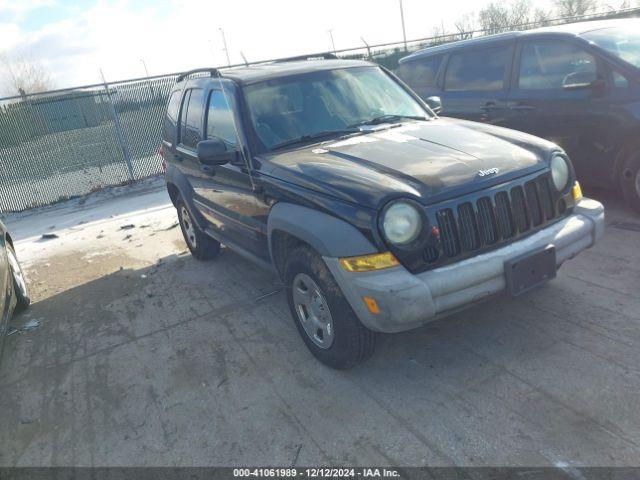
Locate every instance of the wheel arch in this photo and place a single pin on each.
(291, 225)
(179, 186)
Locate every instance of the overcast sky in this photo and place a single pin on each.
(74, 39)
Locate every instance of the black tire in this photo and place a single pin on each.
(20, 288)
(201, 245)
(630, 181)
(352, 343)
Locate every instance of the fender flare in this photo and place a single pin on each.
(175, 177)
(328, 235)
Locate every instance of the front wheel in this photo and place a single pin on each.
(201, 245)
(325, 320)
(19, 281)
(631, 181)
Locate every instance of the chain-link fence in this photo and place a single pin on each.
(66, 143)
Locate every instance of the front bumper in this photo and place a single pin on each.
(409, 300)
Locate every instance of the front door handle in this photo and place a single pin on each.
(489, 106)
(177, 157)
(208, 169)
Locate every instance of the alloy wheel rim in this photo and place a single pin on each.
(313, 311)
(17, 273)
(189, 229)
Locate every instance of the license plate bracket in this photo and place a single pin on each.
(530, 270)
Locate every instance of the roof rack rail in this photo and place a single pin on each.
(212, 72)
(318, 56)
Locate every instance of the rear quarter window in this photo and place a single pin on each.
(477, 70)
(169, 127)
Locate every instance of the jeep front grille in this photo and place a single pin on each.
(496, 217)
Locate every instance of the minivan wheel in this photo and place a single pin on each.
(325, 320)
(201, 245)
(631, 181)
(19, 281)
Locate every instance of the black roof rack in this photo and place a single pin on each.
(213, 72)
(318, 56)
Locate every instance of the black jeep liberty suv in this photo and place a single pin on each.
(377, 215)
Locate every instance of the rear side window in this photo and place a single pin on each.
(482, 70)
(220, 121)
(545, 65)
(171, 118)
(420, 74)
(191, 118)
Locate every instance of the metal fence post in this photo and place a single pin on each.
(119, 132)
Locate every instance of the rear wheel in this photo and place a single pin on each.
(630, 181)
(325, 320)
(19, 281)
(201, 245)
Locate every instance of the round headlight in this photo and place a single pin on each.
(401, 223)
(559, 172)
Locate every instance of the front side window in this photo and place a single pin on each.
(220, 121)
(420, 74)
(619, 80)
(623, 42)
(477, 70)
(286, 109)
(549, 65)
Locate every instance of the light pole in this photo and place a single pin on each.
(404, 32)
(144, 64)
(368, 48)
(226, 50)
(330, 32)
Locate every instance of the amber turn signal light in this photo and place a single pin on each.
(577, 192)
(367, 263)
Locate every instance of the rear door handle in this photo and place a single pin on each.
(489, 106)
(522, 107)
(177, 157)
(208, 169)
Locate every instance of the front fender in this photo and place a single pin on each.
(328, 235)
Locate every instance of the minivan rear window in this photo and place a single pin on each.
(477, 69)
(420, 74)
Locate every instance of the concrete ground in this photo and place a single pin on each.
(142, 355)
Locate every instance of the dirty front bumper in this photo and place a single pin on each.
(409, 300)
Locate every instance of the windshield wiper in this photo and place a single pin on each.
(314, 136)
(387, 119)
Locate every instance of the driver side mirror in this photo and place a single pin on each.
(581, 81)
(215, 152)
(435, 104)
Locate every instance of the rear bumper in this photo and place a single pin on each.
(409, 300)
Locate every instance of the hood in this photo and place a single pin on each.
(428, 161)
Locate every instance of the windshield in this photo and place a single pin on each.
(623, 42)
(333, 102)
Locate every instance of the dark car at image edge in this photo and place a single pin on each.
(14, 294)
(377, 215)
(577, 85)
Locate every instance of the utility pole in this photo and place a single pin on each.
(330, 32)
(404, 32)
(226, 50)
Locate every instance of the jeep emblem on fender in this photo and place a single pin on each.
(490, 171)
